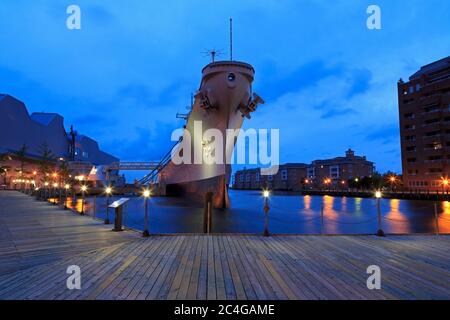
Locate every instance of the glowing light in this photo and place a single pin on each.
(55, 185)
(36, 189)
(34, 173)
(108, 190)
(146, 193)
(46, 183)
(266, 193)
(356, 179)
(306, 181)
(67, 186)
(378, 194)
(55, 175)
(445, 181)
(392, 179)
(83, 188)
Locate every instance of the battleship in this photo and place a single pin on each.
(222, 102)
(224, 99)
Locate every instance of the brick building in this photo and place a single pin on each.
(294, 176)
(289, 177)
(339, 170)
(424, 111)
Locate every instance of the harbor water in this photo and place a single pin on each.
(288, 214)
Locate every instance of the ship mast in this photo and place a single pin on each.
(231, 39)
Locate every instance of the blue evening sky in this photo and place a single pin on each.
(329, 82)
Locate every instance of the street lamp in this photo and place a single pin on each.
(445, 183)
(380, 232)
(55, 185)
(83, 190)
(46, 190)
(266, 194)
(66, 188)
(146, 195)
(108, 192)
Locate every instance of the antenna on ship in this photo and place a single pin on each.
(213, 53)
(231, 39)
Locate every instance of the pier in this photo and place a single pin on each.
(38, 241)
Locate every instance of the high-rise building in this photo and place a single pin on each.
(424, 110)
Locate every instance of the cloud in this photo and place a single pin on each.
(333, 113)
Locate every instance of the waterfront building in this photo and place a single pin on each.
(26, 140)
(338, 170)
(288, 177)
(296, 176)
(424, 112)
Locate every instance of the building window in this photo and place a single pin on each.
(409, 115)
(284, 175)
(411, 160)
(411, 149)
(85, 154)
(77, 151)
(247, 177)
(432, 133)
(241, 178)
(432, 108)
(270, 178)
(257, 176)
(311, 172)
(418, 87)
(334, 172)
(410, 138)
(411, 89)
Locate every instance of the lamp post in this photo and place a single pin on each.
(380, 231)
(55, 185)
(146, 195)
(108, 192)
(66, 191)
(266, 195)
(46, 190)
(445, 183)
(83, 190)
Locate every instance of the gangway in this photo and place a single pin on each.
(130, 165)
(153, 175)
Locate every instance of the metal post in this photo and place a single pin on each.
(380, 231)
(82, 202)
(94, 206)
(107, 209)
(207, 216)
(436, 219)
(146, 233)
(125, 207)
(322, 226)
(65, 199)
(266, 216)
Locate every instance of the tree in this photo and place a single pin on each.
(47, 159)
(21, 154)
(64, 172)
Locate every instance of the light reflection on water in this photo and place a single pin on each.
(288, 214)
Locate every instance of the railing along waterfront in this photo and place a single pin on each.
(315, 221)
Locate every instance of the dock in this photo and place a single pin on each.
(38, 241)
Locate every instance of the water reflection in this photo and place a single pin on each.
(288, 214)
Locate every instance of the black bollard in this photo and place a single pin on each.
(207, 213)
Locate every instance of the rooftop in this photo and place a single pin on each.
(429, 68)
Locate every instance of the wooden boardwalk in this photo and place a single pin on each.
(39, 241)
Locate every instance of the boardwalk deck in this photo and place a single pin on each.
(38, 241)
